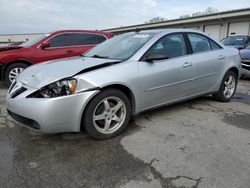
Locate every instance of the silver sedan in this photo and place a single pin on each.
(120, 78)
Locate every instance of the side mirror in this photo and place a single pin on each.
(156, 56)
(45, 45)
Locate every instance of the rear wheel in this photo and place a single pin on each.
(227, 87)
(107, 114)
(12, 71)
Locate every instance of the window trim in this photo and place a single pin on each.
(71, 33)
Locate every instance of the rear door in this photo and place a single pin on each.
(163, 81)
(208, 62)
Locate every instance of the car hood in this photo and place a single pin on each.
(245, 54)
(5, 48)
(37, 76)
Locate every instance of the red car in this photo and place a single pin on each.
(60, 44)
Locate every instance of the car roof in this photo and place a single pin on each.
(173, 30)
(85, 31)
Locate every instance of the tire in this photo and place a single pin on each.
(227, 87)
(12, 71)
(107, 114)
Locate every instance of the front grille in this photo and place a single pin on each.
(18, 92)
(26, 121)
(12, 86)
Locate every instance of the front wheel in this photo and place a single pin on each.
(227, 87)
(107, 114)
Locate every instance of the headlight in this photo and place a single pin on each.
(56, 89)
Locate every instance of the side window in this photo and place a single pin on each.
(62, 40)
(199, 43)
(170, 45)
(248, 42)
(214, 45)
(100, 38)
(88, 39)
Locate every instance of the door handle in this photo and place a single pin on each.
(221, 57)
(69, 51)
(187, 64)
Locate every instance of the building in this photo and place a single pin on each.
(8, 38)
(218, 25)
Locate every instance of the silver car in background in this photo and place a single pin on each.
(120, 78)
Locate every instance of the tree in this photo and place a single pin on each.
(207, 11)
(185, 16)
(155, 20)
(210, 10)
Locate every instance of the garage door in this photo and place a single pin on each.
(193, 27)
(239, 28)
(213, 31)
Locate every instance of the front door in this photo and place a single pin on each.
(166, 80)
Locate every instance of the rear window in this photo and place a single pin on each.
(234, 40)
(88, 39)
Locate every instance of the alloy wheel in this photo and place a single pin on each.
(109, 115)
(14, 72)
(229, 86)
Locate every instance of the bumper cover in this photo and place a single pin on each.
(49, 115)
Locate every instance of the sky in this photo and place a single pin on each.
(39, 16)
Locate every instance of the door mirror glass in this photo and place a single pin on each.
(45, 45)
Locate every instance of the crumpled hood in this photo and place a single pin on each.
(37, 76)
(5, 48)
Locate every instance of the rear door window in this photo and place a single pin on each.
(88, 39)
(214, 45)
(199, 43)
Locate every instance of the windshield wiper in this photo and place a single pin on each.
(99, 56)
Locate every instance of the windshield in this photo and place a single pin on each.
(234, 41)
(120, 47)
(34, 40)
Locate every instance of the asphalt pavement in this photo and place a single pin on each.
(199, 143)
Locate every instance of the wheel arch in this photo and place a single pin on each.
(126, 90)
(24, 61)
(235, 70)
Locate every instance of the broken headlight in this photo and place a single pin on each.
(56, 89)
